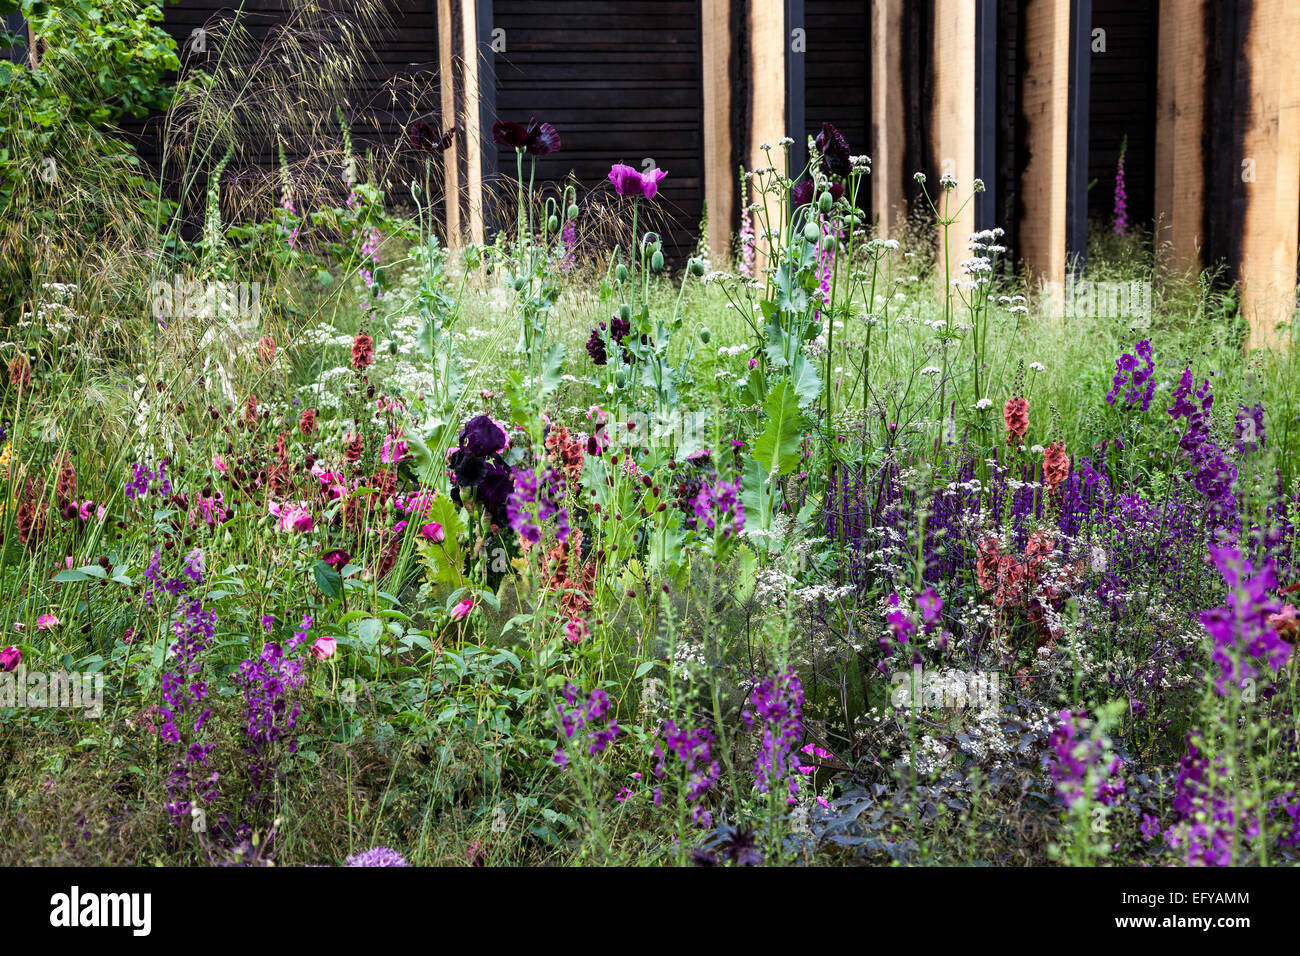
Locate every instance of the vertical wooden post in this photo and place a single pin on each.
(952, 120)
(1271, 171)
(447, 89)
(1179, 180)
(1045, 107)
(767, 92)
(888, 175)
(473, 120)
(719, 170)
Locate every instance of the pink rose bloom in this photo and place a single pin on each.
(9, 658)
(433, 531)
(461, 609)
(294, 516)
(324, 648)
(46, 621)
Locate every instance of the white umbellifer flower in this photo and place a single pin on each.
(982, 404)
(930, 370)
(1037, 367)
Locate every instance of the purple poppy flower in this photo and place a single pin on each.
(629, 182)
(536, 139)
(425, 138)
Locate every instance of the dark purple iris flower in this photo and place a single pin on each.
(425, 138)
(834, 149)
(536, 139)
(482, 436)
(802, 192)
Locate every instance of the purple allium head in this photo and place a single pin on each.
(378, 856)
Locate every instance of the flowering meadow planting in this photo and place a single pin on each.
(328, 540)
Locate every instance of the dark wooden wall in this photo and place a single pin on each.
(620, 80)
(837, 72)
(1123, 103)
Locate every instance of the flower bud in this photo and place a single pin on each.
(620, 273)
(552, 224)
(657, 261)
(811, 233)
(573, 211)
(625, 312)
(695, 267)
(825, 201)
(705, 335)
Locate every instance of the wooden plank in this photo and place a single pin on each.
(1272, 144)
(1178, 186)
(447, 94)
(474, 130)
(952, 121)
(1045, 110)
(719, 174)
(767, 92)
(888, 175)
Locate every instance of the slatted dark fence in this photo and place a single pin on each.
(837, 72)
(620, 80)
(1123, 103)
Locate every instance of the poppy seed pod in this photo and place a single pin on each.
(552, 224)
(695, 267)
(573, 211)
(657, 261)
(620, 273)
(824, 201)
(625, 312)
(705, 335)
(811, 233)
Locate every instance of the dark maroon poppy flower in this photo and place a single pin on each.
(536, 139)
(336, 559)
(834, 149)
(425, 138)
(482, 436)
(802, 192)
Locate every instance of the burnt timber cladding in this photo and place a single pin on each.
(1123, 103)
(406, 45)
(620, 81)
(837, 72)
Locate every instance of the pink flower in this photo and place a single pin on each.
(433, 531)
(46, 621)
(324, 648)
(575, 630)
(394, 450)
(462, 609)
(629, 182)
(9, 658)
(1285, 623)
(294, 516)
(219, 464)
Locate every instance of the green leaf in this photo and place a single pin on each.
(777, 449)
(807, 383)
(327, 579)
